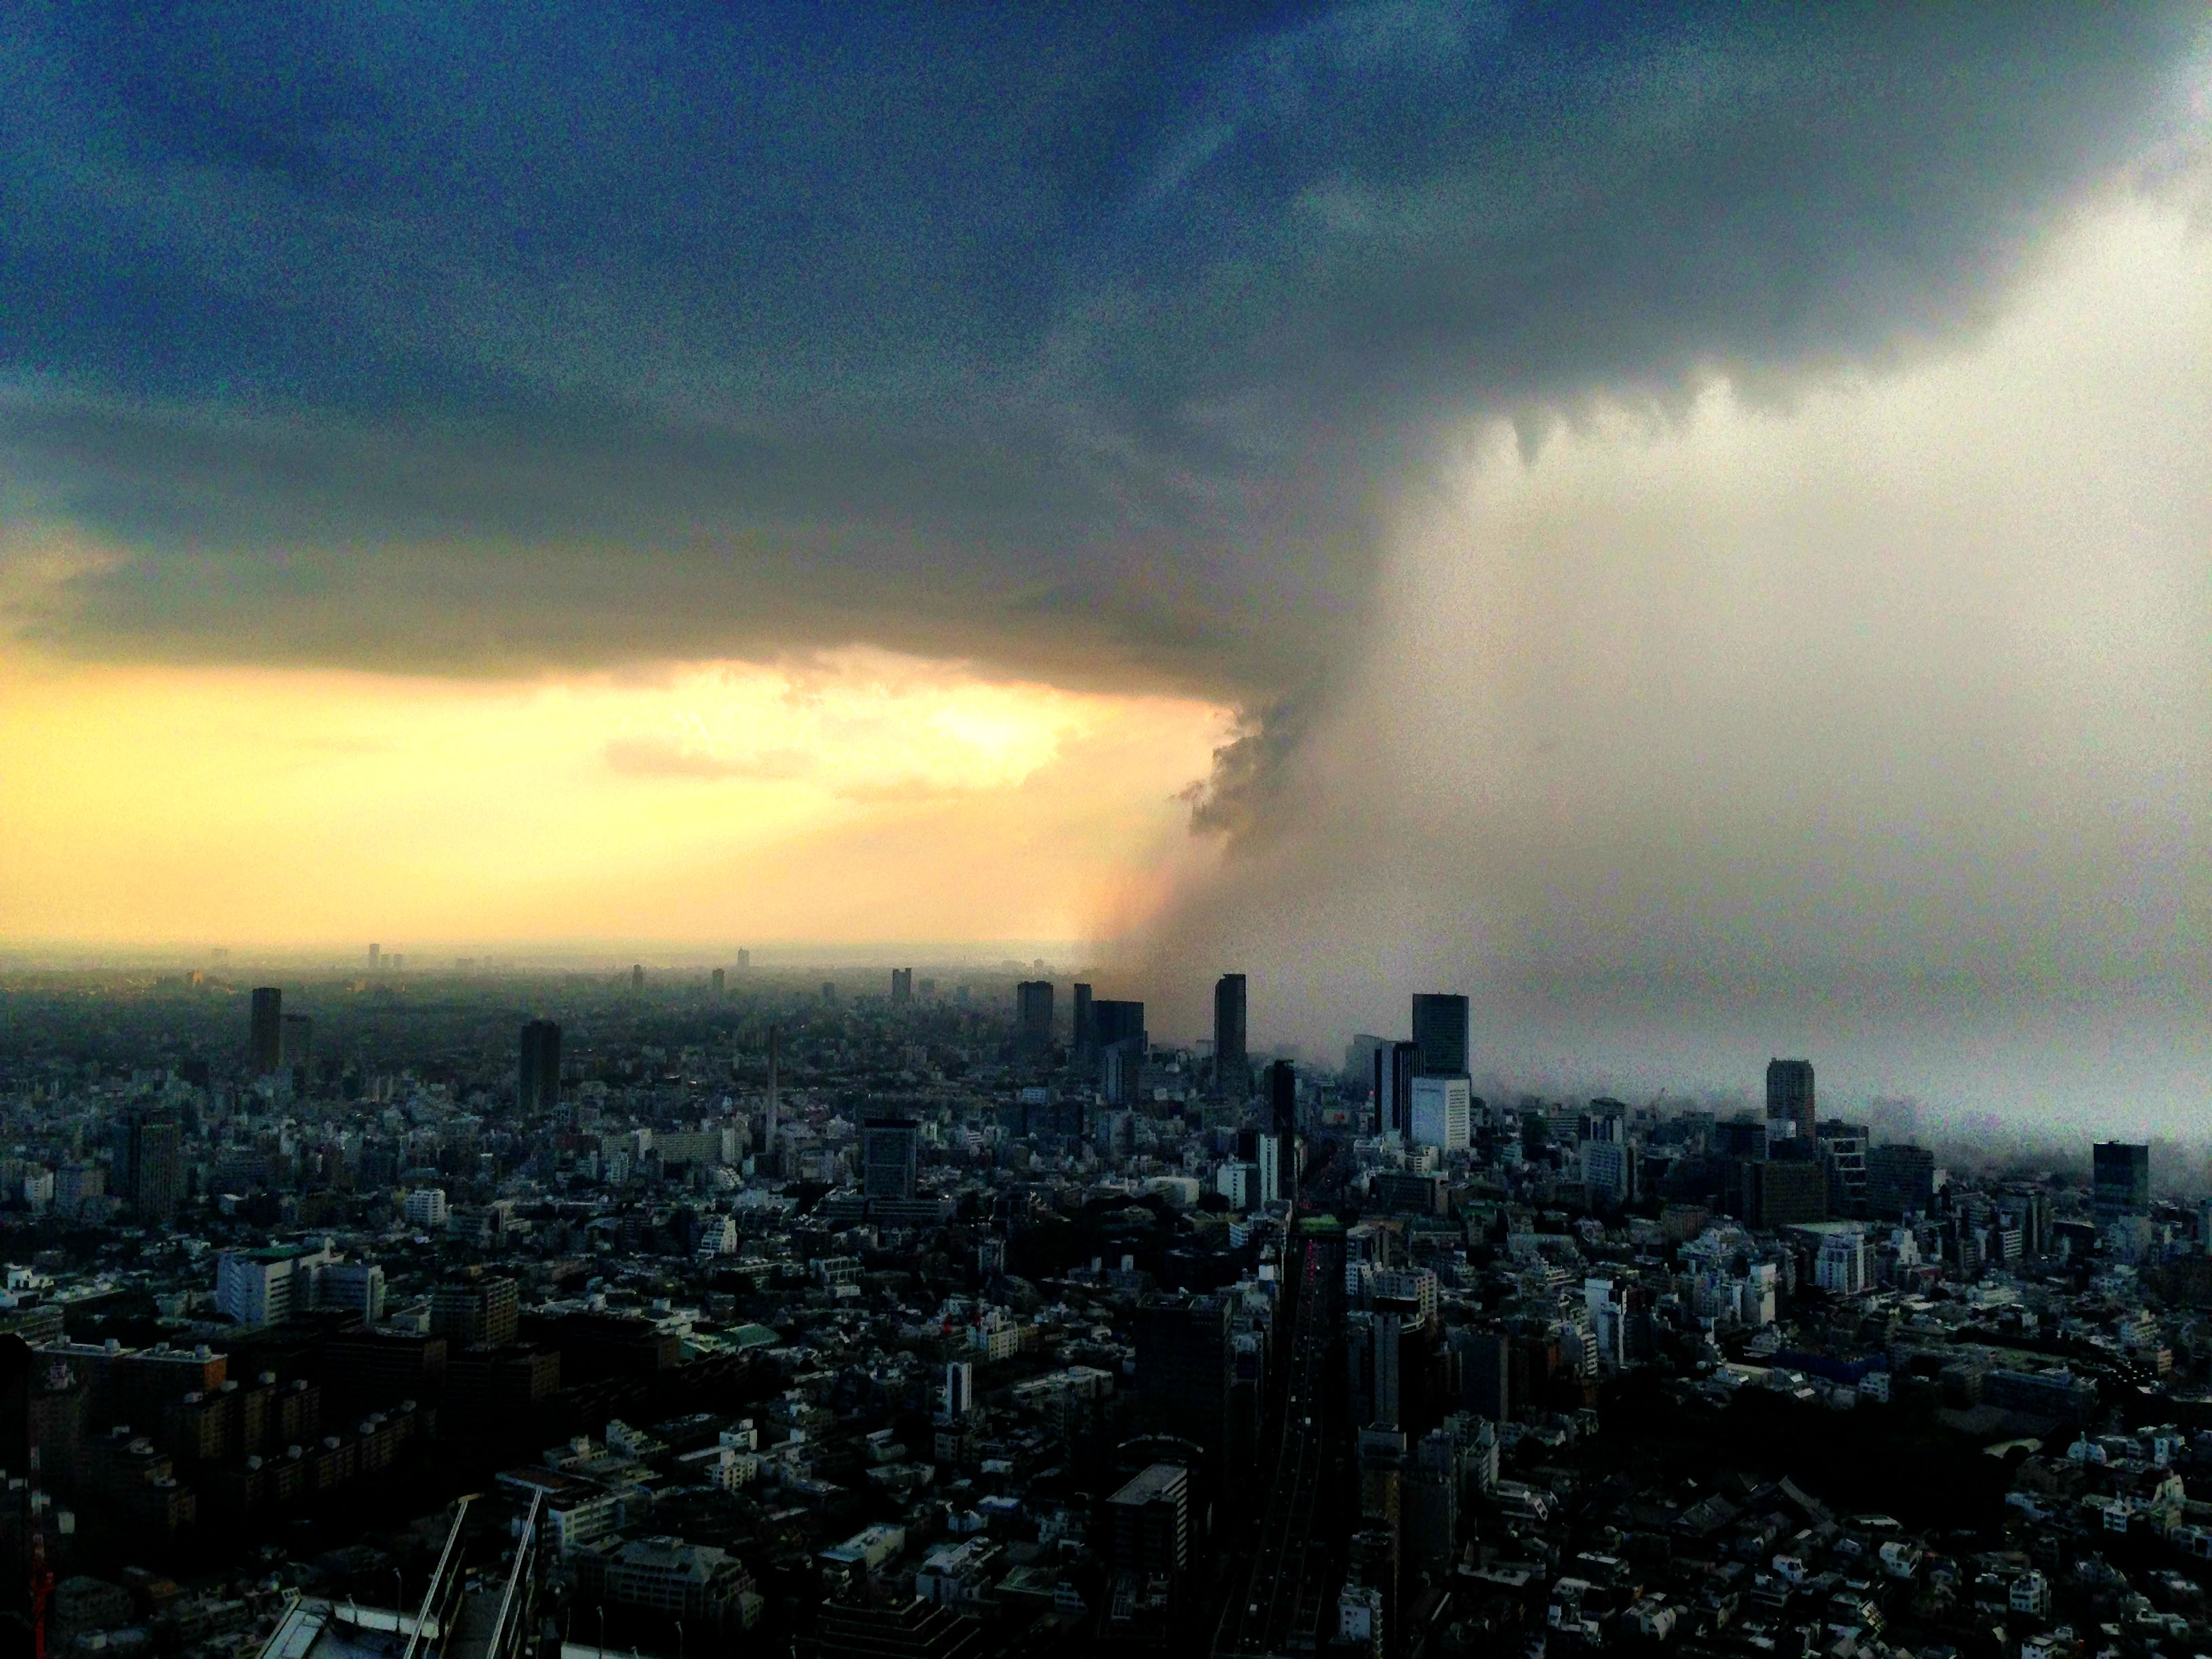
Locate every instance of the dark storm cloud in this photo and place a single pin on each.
(1082, 341)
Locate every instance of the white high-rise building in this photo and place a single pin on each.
(1271, 1169)
(1841, 1269)
(1239, 1183)
(425, 1207)
(1443, 1113)
(263, 1288)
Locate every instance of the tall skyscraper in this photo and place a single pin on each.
(374, 951)
(1789, 1115)
(1440, 1032)
(744, 960)
(1186, 1367)
(889, 1149)
(538, 1079)
(1117, 1033)
(2121, 1174)
(1232, 1065)
(1283, 1099)
(902, 985)
(1440, 1113)
(1359, 1059)
(1033, 1018)
(149, 1164)
(1085, 1038)
(717, 981)
(1484, 1370)
(1275, 1164)
(959, 1396)
(774, 1059)
(1900, 1178)
(637, 977)
(265, 1043)
(296, 1040)
(1396, 1065)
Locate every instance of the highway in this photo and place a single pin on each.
(1280, 1610)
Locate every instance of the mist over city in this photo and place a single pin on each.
(1366, 830)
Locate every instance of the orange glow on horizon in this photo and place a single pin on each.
(859, 797)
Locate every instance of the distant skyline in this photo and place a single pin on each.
(1690, 526)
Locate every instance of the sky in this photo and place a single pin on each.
(1690, 524)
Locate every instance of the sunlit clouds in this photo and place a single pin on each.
(857, 796)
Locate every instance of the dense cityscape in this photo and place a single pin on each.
(959, 1315)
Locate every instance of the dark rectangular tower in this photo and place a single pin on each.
(1789, 1115)
(1232, 1065)
(1440, 1032)
(1083, 1039)
(1900, 1178)
(1117, 1033)
(1033, 1018)
(1283, 1099)
(1396, 1065)
(149, 1164)
(2121, 1172)
(265, 1043)
(889, 1149)
(538, 1079)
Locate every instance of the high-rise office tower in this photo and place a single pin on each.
(1113, 1021)
(1844, 1153)
(889, 1147)
(1085, 1038)
(1484, 1370)
(717, 981)
(486, 1310)
(1232, 1065)
(1283, 1098)
(1440, 1113)
(1033, 1018)
(538, 1077)
(1440, 1032)
(830, 993)
(1186, 1367)
(296, 1040)
(1359, 1058)
(637, 977)
(265, 1044)
(149, 1164)
(1117, 1034)
(1148, 1524)
(1900, 1178)
(959, 1396)
(374, 951)
(2121, 1174)
(902, 985)
(1396, 1065)
(744, 960)
(1789, 1115)
(1274, 1164)
(775, 1058)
